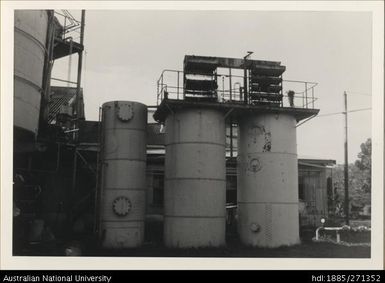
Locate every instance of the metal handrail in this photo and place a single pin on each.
(303, 97)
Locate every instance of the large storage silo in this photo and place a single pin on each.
(123, 152)
(268, 180)
(29, 53)
(195, 181)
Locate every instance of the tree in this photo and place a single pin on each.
(364, 163)
(359, 179)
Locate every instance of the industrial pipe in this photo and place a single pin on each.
(337, 229)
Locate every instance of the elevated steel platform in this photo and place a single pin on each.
(231, 109)
(63, 48)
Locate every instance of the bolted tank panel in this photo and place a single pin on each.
(268, 180)
(195, 181)
(123, 174)
(29, 53)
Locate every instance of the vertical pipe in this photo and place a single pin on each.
(230, 84)
(245, 76)
(281, 91)
(101, 178)
(346, 172)
(97, 179)
(80, 62)
(69, 63)
(216, 83)
(245, 83)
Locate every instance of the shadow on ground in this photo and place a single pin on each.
(153, 247)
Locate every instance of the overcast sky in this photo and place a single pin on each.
(127, 50)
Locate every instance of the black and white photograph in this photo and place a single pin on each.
(192, 134)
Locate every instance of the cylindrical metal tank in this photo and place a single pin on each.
(195, 180)
(29, 53)
(123, 156)
(268, 180)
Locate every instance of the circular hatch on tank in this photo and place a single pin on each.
(121, 206)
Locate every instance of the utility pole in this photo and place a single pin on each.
(346, 172)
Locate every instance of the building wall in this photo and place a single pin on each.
(312, 181)
(313, 194)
